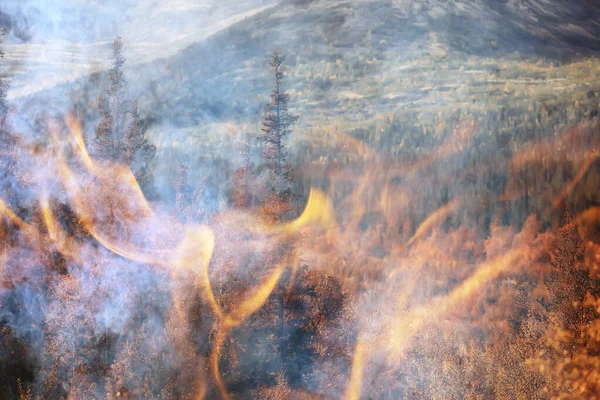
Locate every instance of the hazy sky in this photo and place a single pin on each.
(97, 20)
(52, 41)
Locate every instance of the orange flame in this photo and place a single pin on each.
(110, 205)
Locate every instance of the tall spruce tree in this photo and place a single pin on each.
(3, 86)
(113, 109)
(570, 346)
(139, 152)
(276, 127)
(279, 200)
(121, 135)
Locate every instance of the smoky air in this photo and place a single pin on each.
(368, 199)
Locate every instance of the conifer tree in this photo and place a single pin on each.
(139, 152)
(278, 199)
(113, 109)
(3, 86)
(276, 127)
(121, 135)
(187, 197)
(241, 193)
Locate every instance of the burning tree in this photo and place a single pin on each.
(121, 135)
(568, 282)
(569, 354)
(276, 127)
(277, 349)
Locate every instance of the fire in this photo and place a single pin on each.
(386, 262)
(112, 208)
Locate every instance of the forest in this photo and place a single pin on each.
(449, 249)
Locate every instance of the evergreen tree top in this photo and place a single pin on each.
(116, 77)
(3, 86)
(276, 62)
(277, 118)
(276, 127)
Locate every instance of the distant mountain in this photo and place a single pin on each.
(226, 75)
(398, 75)
(90, 21)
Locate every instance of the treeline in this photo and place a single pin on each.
(410, 133)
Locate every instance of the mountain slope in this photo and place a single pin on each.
(359, 58)
(224, 75)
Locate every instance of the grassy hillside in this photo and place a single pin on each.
(341, 49)
(399, 76)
